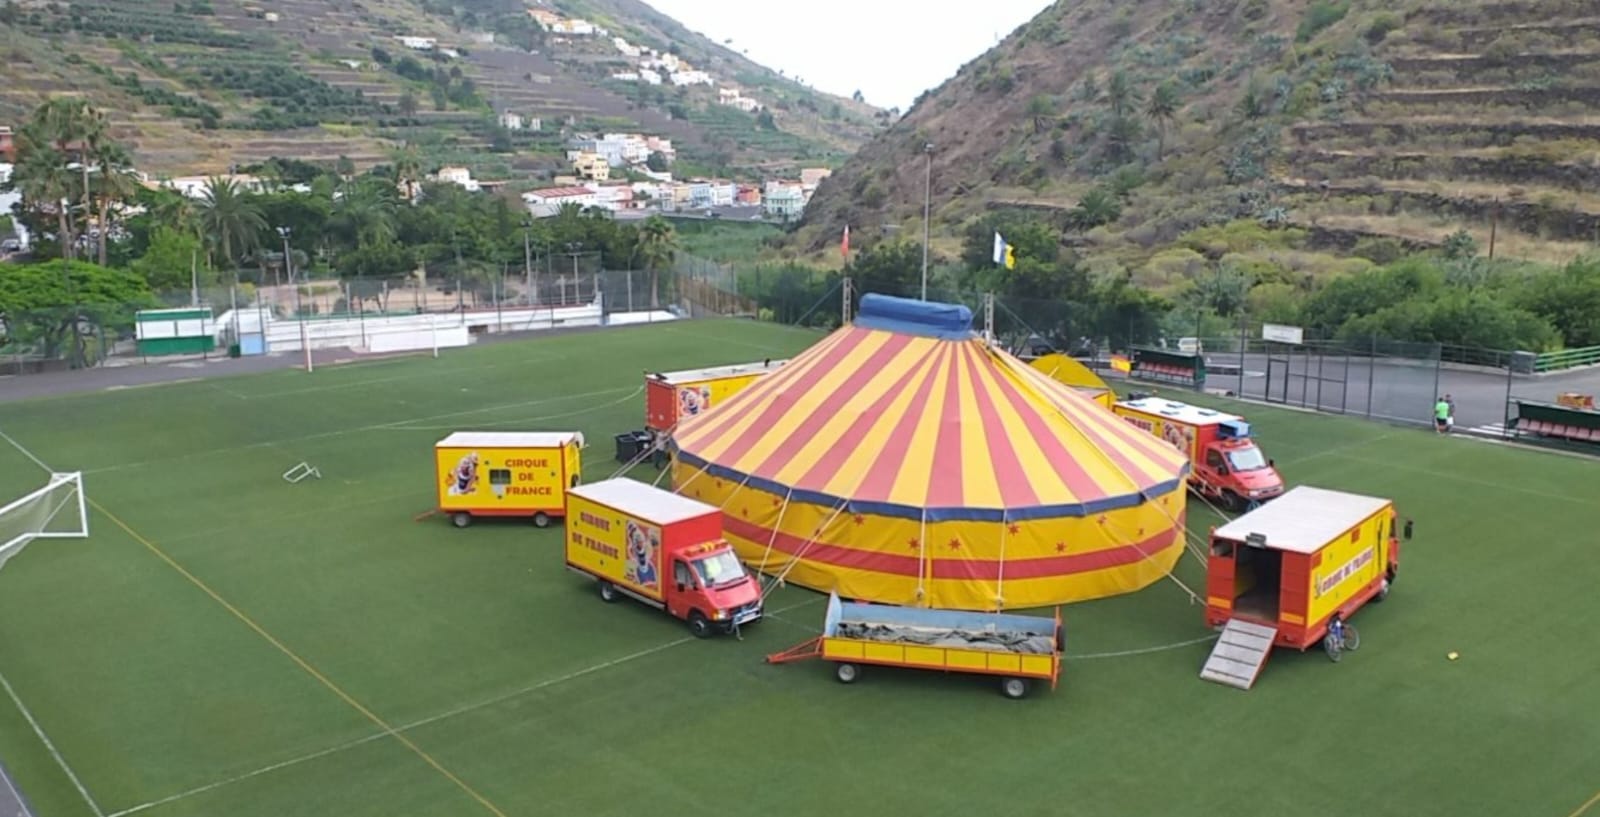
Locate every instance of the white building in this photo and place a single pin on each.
(691, 78)
(783, 201)
(194, 187)
(648, 76)
(459, 176)
(723, 193)
(418, 43)
(656, 144)
(549, 201)
(625, 47)
(626, 76)
(512, 121)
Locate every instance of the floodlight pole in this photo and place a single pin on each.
(288, 270)
(927, 210)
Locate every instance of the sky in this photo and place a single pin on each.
(840, 46)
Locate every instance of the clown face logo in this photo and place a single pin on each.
(693, 400)
(643, 542)
(1181, 437)
(463, 479)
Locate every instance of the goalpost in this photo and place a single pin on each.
(56, 511)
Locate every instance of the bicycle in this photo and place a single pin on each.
(1340, 637)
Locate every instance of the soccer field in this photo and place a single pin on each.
(226, 643)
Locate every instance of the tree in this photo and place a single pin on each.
(765, 121)
(168, 262)
(658, 245)
(407, 104)
(229, 215)
(41, 304)
(1041, 108)
(657, 161)
(1120, 94)
(1161, 108)
(857, 96)
(1098, 206)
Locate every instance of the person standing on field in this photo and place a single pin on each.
(1441, 416)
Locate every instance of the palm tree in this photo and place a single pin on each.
(369, 217)
(1120, 94)
(1161, 108)
(46, 183)
(230, 215)
(407, 170)
(114, 184)
(658, 245)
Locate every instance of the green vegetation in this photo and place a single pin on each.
(510, 674)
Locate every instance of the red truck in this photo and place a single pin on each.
(662, 549)
(1224, 463)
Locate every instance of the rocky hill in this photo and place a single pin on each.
(198, 85)
(1132, 122)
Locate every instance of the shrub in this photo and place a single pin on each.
(1382, 26)
(1320, 15)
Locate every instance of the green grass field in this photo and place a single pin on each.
(226, 643)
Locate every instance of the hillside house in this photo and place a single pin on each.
(546, 18)
(626, 76)
(627, 49)
(547, 203)
(418, 43)
(810, 177)
(459, 176)
(512, 121)
(618, 196)
(655, 144)
(784, 201)
(734, 98)
(649, 77)
(590, 166)
(748, 194)
(685, 78)
(194, 187)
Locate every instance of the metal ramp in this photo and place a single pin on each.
(1241, 651)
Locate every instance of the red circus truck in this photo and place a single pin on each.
(662, 549)
(674, 396)
(1224, 462)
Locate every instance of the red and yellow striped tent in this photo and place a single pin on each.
(905, 460)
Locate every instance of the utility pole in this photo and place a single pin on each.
(527, 261)
(927, 211)
(288, 271)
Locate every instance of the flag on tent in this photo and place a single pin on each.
(844, 244)
(1004, 253)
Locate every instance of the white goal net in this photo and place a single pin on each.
(56, 511)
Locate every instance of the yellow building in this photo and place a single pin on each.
(591, 166)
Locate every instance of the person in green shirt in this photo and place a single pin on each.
(1441, 416)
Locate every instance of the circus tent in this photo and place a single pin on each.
(902, 459)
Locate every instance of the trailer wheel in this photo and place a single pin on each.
(1014, 687)
(847, 673)
(699, 625)
(1383, 590)
(461, 519)
(541, 520)
(608, 592)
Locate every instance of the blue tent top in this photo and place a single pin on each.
(911, 316)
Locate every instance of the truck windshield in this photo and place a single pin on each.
(1247, 459)
(722, 568)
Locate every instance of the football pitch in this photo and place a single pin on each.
(228, 643)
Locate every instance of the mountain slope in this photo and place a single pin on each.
(1360, 120)
(198, 85)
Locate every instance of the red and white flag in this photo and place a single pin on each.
(844, 244)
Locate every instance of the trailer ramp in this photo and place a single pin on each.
(1241, 651)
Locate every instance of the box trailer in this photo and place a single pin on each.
(673, 396)
(1291, 574)
(1018, 649)
(506, 473)
(662, 549)
(1225, 464)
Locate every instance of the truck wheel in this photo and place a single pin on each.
(461, 519)
(700, 625)
(541, 520)
(1014, 687)
(847, 673)
(608, 592)
(1383, 591)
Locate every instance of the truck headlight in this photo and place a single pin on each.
(720, 615)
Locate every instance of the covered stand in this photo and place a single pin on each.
(904, 460)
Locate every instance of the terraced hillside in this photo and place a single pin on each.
(198, 85)
(1357, 119)
(1492, 114)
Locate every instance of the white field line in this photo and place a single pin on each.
(395, 378)
(373, 427)
(211, 382)
(417, 724)
(48, 744)
(25, 452)
(1394, 464)
(520, 420)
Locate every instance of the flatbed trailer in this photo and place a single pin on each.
(1018, 649)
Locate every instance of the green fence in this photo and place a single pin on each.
(1567, 359)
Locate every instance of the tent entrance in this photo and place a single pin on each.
(1258, 583)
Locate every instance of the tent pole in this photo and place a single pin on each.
(922, 559)
(1000, 580)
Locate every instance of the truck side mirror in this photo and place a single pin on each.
(1272, 464)
(1408, 530)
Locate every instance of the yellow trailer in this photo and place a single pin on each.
(506, 473)
(1018, 649)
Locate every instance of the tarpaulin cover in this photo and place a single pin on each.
(898, 460)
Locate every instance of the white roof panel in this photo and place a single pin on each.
(716, 372)
(510, 439)
(1182, 412)
(1304, 519)
(643, 500)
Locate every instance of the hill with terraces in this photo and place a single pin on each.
(1131, 124)
(198, 86)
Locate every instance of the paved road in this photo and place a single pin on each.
(52, 384)
(11, 802)
(1390, 389)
